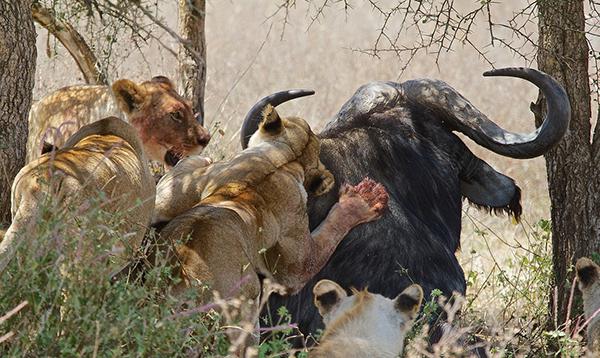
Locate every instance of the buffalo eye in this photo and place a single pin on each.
(176, 117)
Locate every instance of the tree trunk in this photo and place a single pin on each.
(573, 166)
(17, 72)
(74, 43)
(192, 66)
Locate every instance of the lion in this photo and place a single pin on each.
(246, 218)
(164, 121)
(588, 275)
(103, 161)
(231, 224)
(364, 324)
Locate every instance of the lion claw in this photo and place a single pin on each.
(363, 202)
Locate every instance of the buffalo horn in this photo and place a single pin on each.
(464, 117)
(254, 116)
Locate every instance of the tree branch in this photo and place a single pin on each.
(192, 52)
(74, 43)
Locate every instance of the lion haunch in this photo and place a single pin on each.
(104, 159)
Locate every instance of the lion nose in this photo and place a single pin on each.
(203, 138)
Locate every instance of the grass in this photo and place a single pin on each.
(60, 301)
(72, 309)
(65, 305)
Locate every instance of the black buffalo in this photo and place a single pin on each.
(401, 134)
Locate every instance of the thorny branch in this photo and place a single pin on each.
(108, 20)
(409, 27)
(74, 43)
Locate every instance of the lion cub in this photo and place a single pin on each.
(588, 275)
(364, 324)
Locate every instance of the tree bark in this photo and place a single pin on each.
(192, 66)
(17, 73)
(573, 166)
(74, 43)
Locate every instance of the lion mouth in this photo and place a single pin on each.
(172, 158)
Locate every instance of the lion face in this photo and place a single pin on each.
(588, 275)
(164, 120)
(296, 134)
(379, 320)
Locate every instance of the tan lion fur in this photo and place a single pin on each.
(103, 157)
(163, 119)
(588, 275)
(247, 217)
(364, 324)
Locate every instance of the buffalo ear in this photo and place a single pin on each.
(129, 96)
(489, 189)
(327, 296)
(587, 272)
(409, 301)
(271, 122)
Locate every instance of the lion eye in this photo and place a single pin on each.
(177, 116)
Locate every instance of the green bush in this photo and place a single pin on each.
(73, 309)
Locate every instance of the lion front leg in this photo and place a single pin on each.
(356, 205)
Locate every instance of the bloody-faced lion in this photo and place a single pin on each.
(164, 121)
(364, 324)
(588, 275)
(101, 167)
(246, 218)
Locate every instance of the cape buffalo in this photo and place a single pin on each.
(401, 135)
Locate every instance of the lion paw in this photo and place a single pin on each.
(363, 202)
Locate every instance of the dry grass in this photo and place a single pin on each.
(322, 59)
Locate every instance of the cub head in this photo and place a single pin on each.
(294, 135)
(165, 122)
(367, 315)
(588, 277)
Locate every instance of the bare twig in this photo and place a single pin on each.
(74, 43)
(13, 312)
(188, 46)
(6, 336)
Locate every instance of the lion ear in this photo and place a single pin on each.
(165, 81)
(129, 96)
(587, 272)
(271, 122)
(409, 301)
(48, 147)
(328, 296)
(320, 182)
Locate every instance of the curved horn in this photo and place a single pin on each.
(254, 116)
(464, 117)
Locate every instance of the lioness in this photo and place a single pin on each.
(164, 121)
(364, 324)
(588, 275)
(103, 161)
(247, 217)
